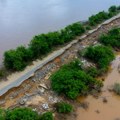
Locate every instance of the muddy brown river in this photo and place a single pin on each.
(98, 110)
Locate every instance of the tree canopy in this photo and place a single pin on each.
(112, 38)
(101, 55)
(24, 114)
(42, 44)
(72, 81)
(102, 16)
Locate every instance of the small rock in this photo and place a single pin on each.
(84, 105)
(45, 106)
(47, 77)
(103, 79)
(22, 102)
(34, 80)
(32, 75)
(97, 111)
(43, 85)
(35, 109)
(42, 90)
(53, 100)
(105, 100)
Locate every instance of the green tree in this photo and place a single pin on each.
(21, 114)
(101, 55)
(113, 9)
(39, 46)
(63, 107)
(72, 81)
(46, 116)
(54, 38)
(2, 114)
(13, 60)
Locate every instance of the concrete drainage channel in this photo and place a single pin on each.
(50, 64)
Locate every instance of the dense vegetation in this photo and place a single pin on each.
(46, 116)
(112, 38)
(101, 16)
(72, 81)
(24, 114)
(101, 55)
(63, 107)
(42, 44)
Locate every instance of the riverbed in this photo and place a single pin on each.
(20, 20)
(99, 110)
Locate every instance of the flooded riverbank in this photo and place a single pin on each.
(98, 109)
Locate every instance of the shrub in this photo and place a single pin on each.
(101, 55)
(101, 16)
(112, 38)
(40, 45)
(2, 114)
(118, 8)
(2, 72)
(24, 114)
(88, 28)
(98, 18)
(92, 71)
(21, 114)
(116, 88)
(63, 107)
(46, 116)
(113, 9)
(72, 81)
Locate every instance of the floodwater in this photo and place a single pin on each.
(98, 110)
(20, 20)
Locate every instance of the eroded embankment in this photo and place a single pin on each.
(37, 86)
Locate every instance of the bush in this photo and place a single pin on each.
(98, 18)
(2, 114)
(112, 38)
(72, 81)
(118, 8)
(116, 88)
(92, 71)
(88, 28)
(101, 55)
(63, 107)
(21, 114)
(101, 16)
(40, 45)
(46, 116)
(113, 9)
(24, 114)
(2, 73)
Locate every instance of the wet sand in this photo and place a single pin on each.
(98, 110)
